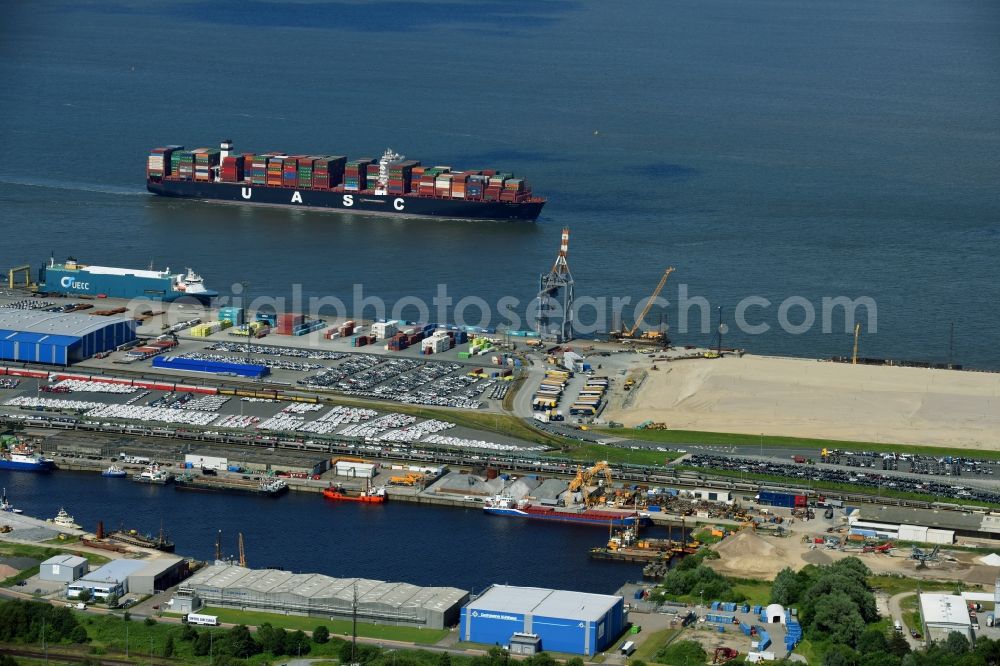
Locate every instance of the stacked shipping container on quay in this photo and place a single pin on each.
(392, 185)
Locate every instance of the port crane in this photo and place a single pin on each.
(649, 336)
(554, 316)
(585, 477)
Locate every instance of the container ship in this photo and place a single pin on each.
(23, 458)
(389, 186)
(266, 487)
(72, 277)
(507, 506)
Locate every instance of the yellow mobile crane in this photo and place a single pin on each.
(657, 337)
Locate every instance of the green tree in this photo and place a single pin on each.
(840, 655)
(956, 644)
(297, 643)
(838, 620)
(189, 633)
(149, 622)
(168, 647)
(577, 661)
(7, 660)
(322, 635)
(111, 601)
(853, 565)
(878, 659)
(682, 653)
(239, 642)
(79, 635)
(85, 595)
(272, 639)
(785, 590)
(202, 644)
(898, 645)
(541, 659)
(634, 662)
(444, 659)
(872, 640)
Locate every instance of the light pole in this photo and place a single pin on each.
(246, 314)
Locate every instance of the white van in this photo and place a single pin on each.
(898, 626)
(628, 648)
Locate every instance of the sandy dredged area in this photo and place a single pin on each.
(808, 398)
(748, 554)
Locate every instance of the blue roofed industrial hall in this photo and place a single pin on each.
(59, 338)
(557, 620)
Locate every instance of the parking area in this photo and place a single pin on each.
(105, 403)
(983, 490)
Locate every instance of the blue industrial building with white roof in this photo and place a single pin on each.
(570, 622)
(58, 338)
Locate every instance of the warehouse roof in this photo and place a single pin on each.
(158, 566)
(52, 323)
(937, 519)
(544, 602)
(65, 561)
(319, 586)
(117, 571)
(944, 609)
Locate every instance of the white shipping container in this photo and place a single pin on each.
(209, 462)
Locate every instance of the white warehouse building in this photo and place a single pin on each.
(943, 614)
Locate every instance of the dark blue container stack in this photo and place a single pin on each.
(763, 639)
(219, 367)
(793, 632)
(777, 499)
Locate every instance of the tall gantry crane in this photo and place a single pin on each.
(243, 555)
(554, 317)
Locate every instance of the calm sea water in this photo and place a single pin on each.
(305, 533)
(776, 148)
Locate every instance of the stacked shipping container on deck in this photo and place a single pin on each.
(159, 163)
(205, 159)
(356, 174)
(401, 176)
(328, 172)
(232, 169)
(182, 165)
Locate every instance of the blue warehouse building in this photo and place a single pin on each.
(572, 622)
(59, 338)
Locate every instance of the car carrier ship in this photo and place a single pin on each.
(72, 277)
(390, 186)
